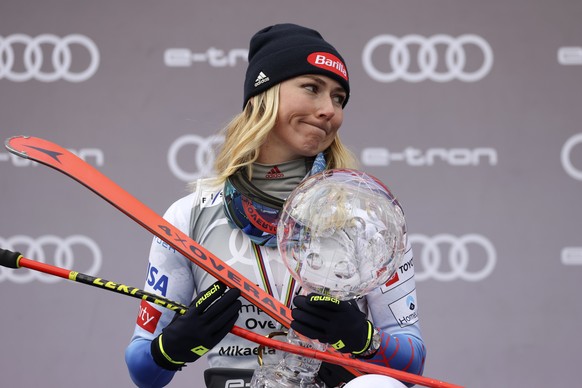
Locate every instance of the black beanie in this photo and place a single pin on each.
(284, 51)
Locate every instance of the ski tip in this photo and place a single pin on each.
(8, 144)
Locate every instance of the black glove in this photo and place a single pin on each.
(329, 320)
(188, 337)
(334, 375)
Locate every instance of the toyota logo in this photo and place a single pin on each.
(203, 156)
(445, 257)
(33, 58)
(58, 249)
(399, 60)
(565, 157)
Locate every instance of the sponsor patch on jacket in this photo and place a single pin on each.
(403, 273)
(148, 317)
(405, 309)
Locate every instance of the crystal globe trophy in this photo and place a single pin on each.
(342, 234)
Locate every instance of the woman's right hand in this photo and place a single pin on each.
(188, 337)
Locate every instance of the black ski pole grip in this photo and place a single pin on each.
(9, 259)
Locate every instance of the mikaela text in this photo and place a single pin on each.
(241, 351)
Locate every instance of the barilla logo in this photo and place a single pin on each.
(274, 173)
(329, 62)
(207, 295)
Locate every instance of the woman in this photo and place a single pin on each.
(295, 90)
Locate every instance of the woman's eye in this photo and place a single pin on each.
(312, 88)
(339, 98)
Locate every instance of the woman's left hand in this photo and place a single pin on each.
(330, 320)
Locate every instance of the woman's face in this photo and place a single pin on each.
(310, 114)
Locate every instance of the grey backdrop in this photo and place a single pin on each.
(469, 110)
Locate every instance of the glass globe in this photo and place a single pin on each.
(341, 233)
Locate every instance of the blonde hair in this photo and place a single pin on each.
(247, 131)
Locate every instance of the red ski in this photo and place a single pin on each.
(59, 158)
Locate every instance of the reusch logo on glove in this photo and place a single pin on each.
(207, 295)
(328, 62)
(321, 298)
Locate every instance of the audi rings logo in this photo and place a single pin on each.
(566, 156)
(398, 64)
(203, 156)
(34, 61)
(70, 252)
(445, 257)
